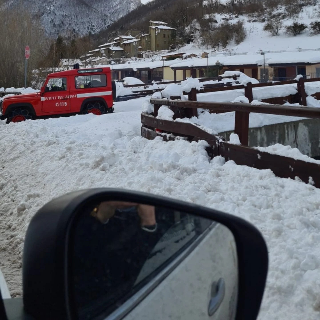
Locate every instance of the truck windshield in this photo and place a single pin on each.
(57, 84)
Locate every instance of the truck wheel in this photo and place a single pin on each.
(18, 115)
(95, 107)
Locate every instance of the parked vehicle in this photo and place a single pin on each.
(64, 93)
(114, 254)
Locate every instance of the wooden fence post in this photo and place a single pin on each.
(156, 108)
(248, 92)
(302, 92)
(241, 127)
(192, 96)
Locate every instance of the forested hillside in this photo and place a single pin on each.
(57, 29)
(78, 17)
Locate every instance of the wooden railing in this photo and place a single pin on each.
(243, 155)
(242, 111)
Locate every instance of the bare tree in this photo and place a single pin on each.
(17, 30)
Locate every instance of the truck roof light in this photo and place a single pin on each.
(89, 70)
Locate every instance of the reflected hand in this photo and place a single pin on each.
(106, 210)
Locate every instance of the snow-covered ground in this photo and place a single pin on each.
(43, 159)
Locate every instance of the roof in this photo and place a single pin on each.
(124, 37)
(131, 41)
(114, 48)
(162, 27)
(107, 44)
(296, 58)
(236, 60)
(145, 65)
(158, 22)
(95, 50)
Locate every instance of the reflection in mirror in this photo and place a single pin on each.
(121, 248)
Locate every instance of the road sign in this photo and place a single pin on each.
(27, 52)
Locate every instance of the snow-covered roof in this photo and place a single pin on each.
(130, 41)
(236, 60)
(141, 65)
(95, 50)
(115, 48)
(107, 44)
(162, 27)
(308, 57)
(124, 37)
(158, 22)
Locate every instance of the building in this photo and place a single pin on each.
(131, 48)
(161, 36)
(145, 42)
(287, 65)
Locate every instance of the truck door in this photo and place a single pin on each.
(56, 98)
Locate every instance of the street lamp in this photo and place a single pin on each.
(264, 65)
(206, 55)
(218, 64)
(163, 69)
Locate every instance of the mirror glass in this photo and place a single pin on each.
(133, 260)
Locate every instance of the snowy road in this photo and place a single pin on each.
(43, 159)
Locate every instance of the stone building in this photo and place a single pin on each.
(161, 36)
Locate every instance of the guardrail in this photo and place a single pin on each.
(243, 155)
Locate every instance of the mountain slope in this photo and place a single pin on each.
(80, 17)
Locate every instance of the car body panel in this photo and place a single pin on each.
(4, 288)
(186, 292)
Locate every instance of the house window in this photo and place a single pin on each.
(164, 42)
(164, 35)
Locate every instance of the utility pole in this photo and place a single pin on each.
(264, 66)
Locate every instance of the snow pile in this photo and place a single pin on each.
(312, 102)
(165, 113)
(287, 151)
(234, 139)
(242, 78)
(222, 96)
(312, 87)
(147, 107)
(19, 90)
(241, 99)
(132, 81)
(172, 90)
(190, 83)
(43, 159)
(121, 90)
(274, 91)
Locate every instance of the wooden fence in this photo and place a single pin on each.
(243, 155)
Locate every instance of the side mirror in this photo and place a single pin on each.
(110, 254)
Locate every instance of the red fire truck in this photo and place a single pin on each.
(63, 93)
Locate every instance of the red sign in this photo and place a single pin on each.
(27, 52)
